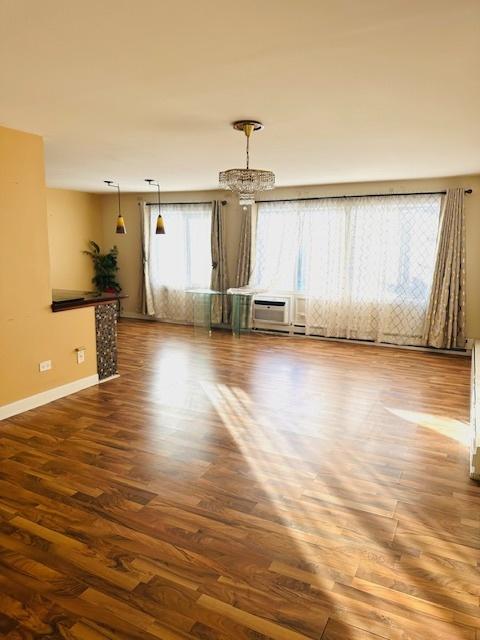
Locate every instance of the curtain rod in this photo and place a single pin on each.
(362, 195)
(153, 204)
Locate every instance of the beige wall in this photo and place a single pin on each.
(129, 245)
(29, 331)
(73, 219)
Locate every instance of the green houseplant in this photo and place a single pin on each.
(105, 267)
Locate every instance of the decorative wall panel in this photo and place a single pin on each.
(106, 331)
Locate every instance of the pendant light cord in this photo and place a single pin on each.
(248, 152)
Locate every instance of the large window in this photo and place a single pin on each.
(181, 259)
(365, 265)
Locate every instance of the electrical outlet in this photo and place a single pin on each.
(46, 365)
(80, 356)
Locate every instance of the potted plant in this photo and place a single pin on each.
(105, 267)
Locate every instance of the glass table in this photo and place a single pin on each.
(241, 306)
(202, 309)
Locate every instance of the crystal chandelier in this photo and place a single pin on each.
(246, 182)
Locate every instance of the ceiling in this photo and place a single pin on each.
(348, 90)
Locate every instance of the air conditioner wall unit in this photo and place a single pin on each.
(271, 310)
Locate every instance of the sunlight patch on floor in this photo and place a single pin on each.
(258, 438)
(449, 427)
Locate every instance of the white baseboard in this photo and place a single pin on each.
(115, 375)
(37, 400)
(371, 343)
(141, 316)
(136, 316)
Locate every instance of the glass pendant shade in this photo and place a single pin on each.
(160, 228)
(247, 182)
(121, 228)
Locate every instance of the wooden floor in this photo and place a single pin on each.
(255, 488)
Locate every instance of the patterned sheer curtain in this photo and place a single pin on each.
(279, 237)
(365, 265)
(179, 260)
(370, 267)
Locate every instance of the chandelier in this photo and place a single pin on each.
(246, 182)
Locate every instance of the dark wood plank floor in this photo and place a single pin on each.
(244, 489)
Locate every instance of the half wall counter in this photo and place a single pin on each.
(107, 308)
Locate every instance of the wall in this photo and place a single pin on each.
(73, 219)
(29, 331)
(129, 245)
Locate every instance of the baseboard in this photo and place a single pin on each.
(115, 375)
(136, 316)
(131, 315)
(37, 400)
(371, 343)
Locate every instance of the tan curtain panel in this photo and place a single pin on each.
(147, 306)
(445, 320)
(219, 281)
(245, 251)
(245, 263)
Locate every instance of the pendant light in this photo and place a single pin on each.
(160, 227)
(246, 182)
(121, 228)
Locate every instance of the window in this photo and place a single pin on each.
(364, 264)
(181, 259)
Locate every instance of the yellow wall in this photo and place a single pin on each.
(73, 219)
(29, 331)
(130, 247)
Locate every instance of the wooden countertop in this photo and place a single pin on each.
(66, 300)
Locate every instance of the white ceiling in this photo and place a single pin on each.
(349, 90)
